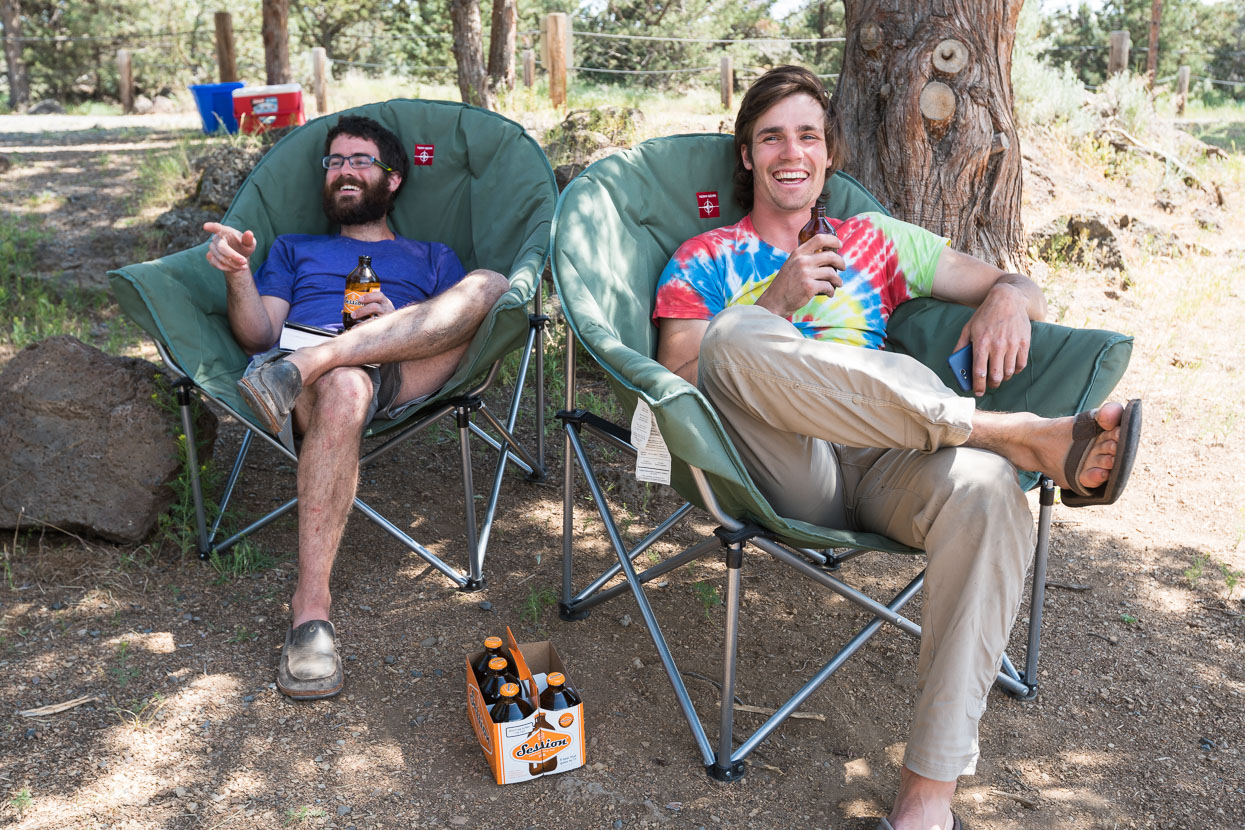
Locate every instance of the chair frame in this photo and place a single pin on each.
(460, 407)
(725, 762)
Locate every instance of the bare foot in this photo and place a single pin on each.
(1042, 444)
(922, 803)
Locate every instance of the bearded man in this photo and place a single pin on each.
(413, 331)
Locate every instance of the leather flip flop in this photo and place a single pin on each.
(310, 667)
(956, 824)
(1085, 431)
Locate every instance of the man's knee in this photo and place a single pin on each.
(734, 335)
(485, 285)
(344, 393)
(985, 494)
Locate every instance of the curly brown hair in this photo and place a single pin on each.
(775, 85)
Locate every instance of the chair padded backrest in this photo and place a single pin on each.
(620, 221)
(479, 183)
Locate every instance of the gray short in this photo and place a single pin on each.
(386, 386)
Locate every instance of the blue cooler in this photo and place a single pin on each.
(215, 102)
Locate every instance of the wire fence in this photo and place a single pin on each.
(156, 41)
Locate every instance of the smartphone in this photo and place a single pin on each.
(961, 364)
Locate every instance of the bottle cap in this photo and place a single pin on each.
(492, 642)
(508, 689)
(556, 679)
(498, 663)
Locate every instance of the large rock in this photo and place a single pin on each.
(222, 170)
(86, 445)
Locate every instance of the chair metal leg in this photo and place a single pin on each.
(234, 473)
(184, 386)
(1041, 555)
(724, 768)
(475, 567)
(421, 551)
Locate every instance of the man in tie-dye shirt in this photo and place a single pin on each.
(786, 341)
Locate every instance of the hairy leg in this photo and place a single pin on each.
(420, 332)
(331, 415)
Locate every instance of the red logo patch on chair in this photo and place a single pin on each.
(707, 204)
(423, 154)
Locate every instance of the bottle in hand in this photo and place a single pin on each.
(817, 223)
(358, 282)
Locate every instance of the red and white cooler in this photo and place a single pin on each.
(261, 108)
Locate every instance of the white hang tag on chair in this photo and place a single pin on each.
(652, 462)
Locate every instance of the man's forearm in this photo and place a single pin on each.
(248, 318)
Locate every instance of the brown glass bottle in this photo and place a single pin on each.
(509, 707)
(492, 648)
(358, 282)
(817, 223)
(497, 674)
(557, 695)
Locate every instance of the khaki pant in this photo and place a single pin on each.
(864, 440)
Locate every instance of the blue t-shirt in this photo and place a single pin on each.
(309, 272)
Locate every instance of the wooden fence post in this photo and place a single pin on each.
(1182, 89)
(1117, 57)
(529, 68)
(319, 78)
(125, 80)
(728, 82)
(558, 27)
(225, 54)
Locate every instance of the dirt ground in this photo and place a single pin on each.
(1138, 722)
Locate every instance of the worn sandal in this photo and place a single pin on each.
(1085, 431)
(310, 667)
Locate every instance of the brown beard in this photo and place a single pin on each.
(373, 203)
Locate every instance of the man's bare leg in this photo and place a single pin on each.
(922, 803)
(417, 332)
(1035, 443)
(331, 415)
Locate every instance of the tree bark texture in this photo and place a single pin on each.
(501, 45)
(469, 54)
(276, 30)
(925, 97)
(19, 84)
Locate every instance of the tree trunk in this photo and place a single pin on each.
(469, 53)
(925, 97)
(276, 30)
(501, 45)
(1152, 54)
(19, 85)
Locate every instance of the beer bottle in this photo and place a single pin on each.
(817, 223)
(492, 648)
(358, 282)
(509, 707)
(535, 768)
(557, 695)
(495, 676)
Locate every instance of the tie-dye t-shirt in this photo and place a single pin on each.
(888, 262)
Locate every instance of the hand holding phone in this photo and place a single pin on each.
(961, 364)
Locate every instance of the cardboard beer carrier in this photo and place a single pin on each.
(543, 743)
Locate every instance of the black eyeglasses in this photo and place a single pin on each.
(359, 161)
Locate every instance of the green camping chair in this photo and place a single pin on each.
(617, 225)
(479, 184)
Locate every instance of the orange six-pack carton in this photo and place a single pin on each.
(545, 742)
